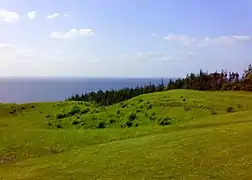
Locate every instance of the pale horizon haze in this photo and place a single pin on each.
(124, 38)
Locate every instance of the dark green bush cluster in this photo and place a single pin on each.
(84, 111)
(132, 117)
(130, 121)
(61, 116)
(164, 121)
(230, 109)
(149, 106)
(101, 125)
(74, 111)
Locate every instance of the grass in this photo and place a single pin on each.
(180, 134)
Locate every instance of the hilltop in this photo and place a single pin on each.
(169, 134)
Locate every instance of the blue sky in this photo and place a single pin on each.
(123, 38)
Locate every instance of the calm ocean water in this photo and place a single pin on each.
(21, 90)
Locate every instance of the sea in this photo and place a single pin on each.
(31, 89)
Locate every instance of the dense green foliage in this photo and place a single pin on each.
(202, 81)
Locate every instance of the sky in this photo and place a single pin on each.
(124, 38)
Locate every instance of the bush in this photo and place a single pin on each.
(101, 125)
(214, 113)
(164, 121)
(61, 116)
(59, 126)
(230, 109)
(84, 111)
(149, 106)
(184, 100)
(13, 111)
(153, 118)
(75, 110)
(137, 124)
(75, 122)
(129, 123)
(132, 117)
(118, 112)
(140, 100)
(123, 125)
(95, 111)
(138, 111)
(112, 121)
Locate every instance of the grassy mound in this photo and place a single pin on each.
(175, 134)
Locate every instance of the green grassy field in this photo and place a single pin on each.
(178, 134)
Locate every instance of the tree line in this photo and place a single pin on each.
(217, 81)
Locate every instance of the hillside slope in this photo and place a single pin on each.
(168, 135)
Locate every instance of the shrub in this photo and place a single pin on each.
(140, 100)
(149, 106)
(153, 114)
(13, 111)
(112, 121)
(61, 116)
(118, 112)
(101, 125)
(123, 125)
(153, 118)
(184, 100)
(141, 107)
(49, 124)
(129, 123)
(230, 109)
(132, 117)
(137, 124)
(84, 111)
(75, 122)
(75, 110)
(95, 111)
(214, 113)
(138, 110)
(59, 126)
(164, 121)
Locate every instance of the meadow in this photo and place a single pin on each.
(176, 134)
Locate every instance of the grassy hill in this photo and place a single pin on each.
(167, 135)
